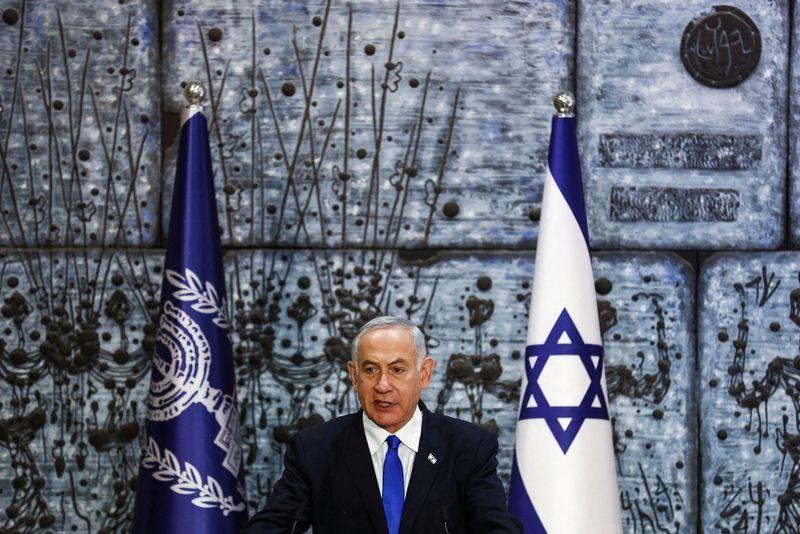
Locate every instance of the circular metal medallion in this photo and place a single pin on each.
(721, 48)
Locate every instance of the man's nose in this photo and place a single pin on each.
(383, 384)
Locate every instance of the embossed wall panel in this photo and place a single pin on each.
(794, 146)
(79, 123)
(448, 106)
(76, 332)
(646, 307)
(462, 110)
(750, 396)
(669, 162)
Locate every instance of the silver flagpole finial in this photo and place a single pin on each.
(564, 102)
(194, 93)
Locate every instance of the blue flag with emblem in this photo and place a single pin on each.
(191, 475)
(563, 479)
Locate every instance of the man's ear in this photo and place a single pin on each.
(351, 367)
(426, 370)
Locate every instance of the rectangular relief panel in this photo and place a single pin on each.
(80, 114)
(371, 123)
(794, 131)
(77, 333)
(682, 122)
(749, 326)
(646, 307)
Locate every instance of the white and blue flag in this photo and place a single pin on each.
(563, 480)
(191, 475)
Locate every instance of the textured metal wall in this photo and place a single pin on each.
(382, 158)
(672, 163)
(421, 87)
(80, 124)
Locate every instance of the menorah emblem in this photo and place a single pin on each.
(183, 358)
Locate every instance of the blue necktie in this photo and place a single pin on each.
(393, 486)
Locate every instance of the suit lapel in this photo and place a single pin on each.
(355, 454)
(424, 473)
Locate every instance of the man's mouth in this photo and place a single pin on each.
(384, 405)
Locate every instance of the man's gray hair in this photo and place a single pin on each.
(387, 321)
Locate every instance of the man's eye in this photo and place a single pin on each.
(398, 370)
(369, 370)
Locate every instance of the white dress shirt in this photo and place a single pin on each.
(409, 445)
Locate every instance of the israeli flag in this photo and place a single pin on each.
(563, 479)
(191, 478)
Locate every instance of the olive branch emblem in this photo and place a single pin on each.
(188, 480)
(206, 299)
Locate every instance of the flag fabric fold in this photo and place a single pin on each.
(563, 477)
(191, 474)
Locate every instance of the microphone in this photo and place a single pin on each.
(444, 518)
(298, 515)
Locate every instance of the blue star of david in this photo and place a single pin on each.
(535, 404)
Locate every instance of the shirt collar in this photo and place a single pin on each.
(409, 435)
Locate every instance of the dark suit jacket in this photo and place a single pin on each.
(329, 483)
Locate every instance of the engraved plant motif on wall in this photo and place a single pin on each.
(61, 374)
(476, 373)
(781, 376)
(653, 503)
(79, 326)
(74, 158)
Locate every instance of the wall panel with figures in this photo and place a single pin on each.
(749, 305)
(375, 157)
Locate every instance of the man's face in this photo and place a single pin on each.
(387, 380)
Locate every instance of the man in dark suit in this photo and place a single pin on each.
(392, 467)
